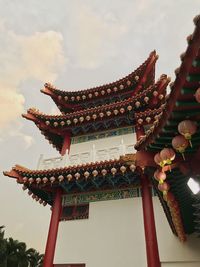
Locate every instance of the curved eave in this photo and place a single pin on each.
(181, 80)
(159, 88)
(98, 176)
(144, 75)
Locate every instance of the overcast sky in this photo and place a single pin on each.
(75, 45)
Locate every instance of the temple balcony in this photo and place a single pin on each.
(92, 151)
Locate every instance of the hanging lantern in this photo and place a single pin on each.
(128, 83)
(90, 95)
(122, 110)
(179, 143)
(197, 95)
(55, 123)
(158, 160)
(87, 118)
(72, 98)
(123, 169)
(75, 120)
(108, 90)
(83, 97)
(96, 93)
(101, 114)
(187, 128)
(77, 175)
(108, 113)
(52, 179)
(132, 167)
(94, 116)
(104, 172)
(69, 177)
(167, 155)
(137, 104)
(164, 187)
(160, 176)
(121, 87)
(38, 180)
(66, 98)
(81, 119)
(30, 180)
(86, 174)
(25, 179)
(45, 180)
(95, 173)
(60, 178)
(113, 171)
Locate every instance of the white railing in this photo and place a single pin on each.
(88, 156)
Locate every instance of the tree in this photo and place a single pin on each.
(3, 248)
(15, 254)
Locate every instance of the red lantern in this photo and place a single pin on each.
(167, 155)
(158, 159)
(160, 176)
(163, 187)
(197, 95)
(179, 143)
(187, 128)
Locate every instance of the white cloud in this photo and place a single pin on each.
(94, 36)
(38, 56)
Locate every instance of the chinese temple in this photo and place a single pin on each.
(118, 191)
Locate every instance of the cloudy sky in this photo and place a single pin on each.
(75, 45)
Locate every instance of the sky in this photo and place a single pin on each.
(75, 45)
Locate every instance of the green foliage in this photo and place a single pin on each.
(15, 254)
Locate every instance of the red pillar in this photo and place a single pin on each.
(152, 252)
(153, 259)
(53, 230)
(66, 144)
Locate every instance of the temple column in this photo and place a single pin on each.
(66, 144)
(53, 230)
(152, 252)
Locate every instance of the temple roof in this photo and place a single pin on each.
(120, 114)
(140, 79)
(103, 175)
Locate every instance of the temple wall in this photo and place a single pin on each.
(114, 236)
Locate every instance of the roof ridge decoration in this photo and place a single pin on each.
(181, 76)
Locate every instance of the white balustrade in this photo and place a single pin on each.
(83, 157)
